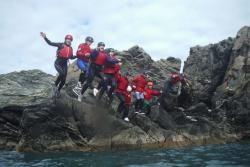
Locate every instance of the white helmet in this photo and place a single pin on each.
(129, 88)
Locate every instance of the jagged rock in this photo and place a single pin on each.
(232, 95)
(30, 120)
(220, 75)
(206, 67)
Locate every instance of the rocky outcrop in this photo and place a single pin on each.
(233, 95)
(222, 79)
(31, 120)
(206, 67)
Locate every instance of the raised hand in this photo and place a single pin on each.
(43, 34)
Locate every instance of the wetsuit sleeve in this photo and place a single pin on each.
(111, 60)
(94, 54)
(56, 44)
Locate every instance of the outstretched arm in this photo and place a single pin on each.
(111, 60)
(49, 42)
(156, 93)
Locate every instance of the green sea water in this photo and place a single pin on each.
(235, 154)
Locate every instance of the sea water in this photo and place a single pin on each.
(235, 154)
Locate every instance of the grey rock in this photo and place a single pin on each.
(31, 120)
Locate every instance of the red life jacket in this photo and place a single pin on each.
(100, 59)
(127, 97)
(139, 82)
(149, 93)
(111, 69)
(82, 50)
(65, 52)
(122, 83)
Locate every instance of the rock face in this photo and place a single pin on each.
(233, 95)
(227, 87)
(206, 67)
(31, 120)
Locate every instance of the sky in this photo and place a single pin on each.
(163, 28)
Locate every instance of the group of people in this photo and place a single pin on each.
(96, 63)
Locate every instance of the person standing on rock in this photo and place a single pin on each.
(149, 92)
(64, 53)
(83, 55)
(123, 93)
(138, 84)
(111, 68)
(97, 59)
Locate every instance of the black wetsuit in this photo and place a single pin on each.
(61, 65)
(122, 107)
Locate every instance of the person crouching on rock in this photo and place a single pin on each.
(149, 92)
(138, 84)
(123, 93)
(83, 54)
(64, 53)
(185, 98)
(111, 68)
(97, 59)
(173, 85)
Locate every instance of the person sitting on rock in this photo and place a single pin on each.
(138, 84)
(111, 68)
(83, 54)
(149, 92)
(97, 58)
(64, 53)
(123, 93)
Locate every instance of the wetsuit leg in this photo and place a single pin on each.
(125, 111)
(90, 78)
(122, 102)
(103, 84)
(62, 69)
(82, 76)
(112, 88)
(137, 102)
(148, 108)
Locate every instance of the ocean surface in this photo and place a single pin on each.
(235, 154)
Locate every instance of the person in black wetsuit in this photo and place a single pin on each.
(64, 53)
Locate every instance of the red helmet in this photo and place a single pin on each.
(70, 37)
(175, 77)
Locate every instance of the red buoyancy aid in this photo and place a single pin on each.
(100, 59)
(127, 97)
(139, 82)
(111, 69)
(122, 83)
(82, 50)
(65, 52)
